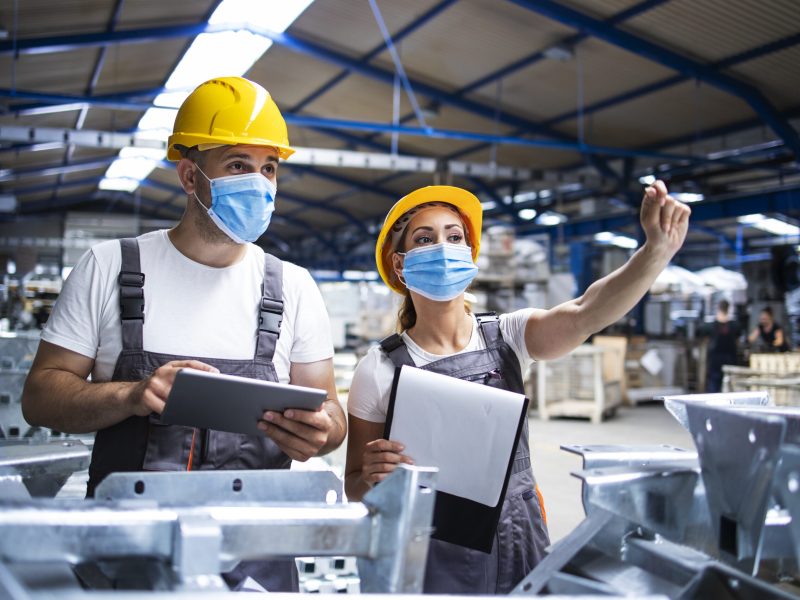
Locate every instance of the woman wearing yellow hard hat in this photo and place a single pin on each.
(426, 250)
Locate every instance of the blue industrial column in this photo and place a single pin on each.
(580, 263)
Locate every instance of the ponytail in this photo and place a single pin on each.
(407, 315)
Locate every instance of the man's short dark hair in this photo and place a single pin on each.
(767, 310)
(723, 306)
(194, 154)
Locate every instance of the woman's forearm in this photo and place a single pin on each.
(608, 299)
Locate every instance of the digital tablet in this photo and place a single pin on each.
(231, 403)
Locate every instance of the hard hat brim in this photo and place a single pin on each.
(191, 140)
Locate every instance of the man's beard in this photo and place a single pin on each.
(208, 230)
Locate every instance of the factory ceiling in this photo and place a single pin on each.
(539, 107)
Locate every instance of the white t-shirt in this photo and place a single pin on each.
(190, 309)
(372, 380)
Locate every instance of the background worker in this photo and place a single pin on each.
(722, 346)
(426, 251)
(202, 296)
(767, 335)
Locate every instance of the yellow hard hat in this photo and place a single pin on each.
(467, 204)
(228, 111)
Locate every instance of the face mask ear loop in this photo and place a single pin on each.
(399, 275)
(196, 197)
(202, 172)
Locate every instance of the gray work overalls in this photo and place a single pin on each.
(521, 536)
(145, 444)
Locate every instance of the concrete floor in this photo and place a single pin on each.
(646, 424)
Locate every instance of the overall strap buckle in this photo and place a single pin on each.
(486, 317)
(270, 316)
(391, 343)
(131, 295)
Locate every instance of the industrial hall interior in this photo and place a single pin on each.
(462, 297)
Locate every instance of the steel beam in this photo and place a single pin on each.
(305, 157)
(572, 146)
(781, 201)
(776, 46)
(75, 167)
(153, 207)
(397, 37)
(62, 43)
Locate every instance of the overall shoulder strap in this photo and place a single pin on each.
(131, 295)
(395, 348)
(489, 325)
(270, 309)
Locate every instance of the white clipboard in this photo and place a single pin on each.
(468, 430)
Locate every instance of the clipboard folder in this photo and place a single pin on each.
(470, 431)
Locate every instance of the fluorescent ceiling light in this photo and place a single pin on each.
(120, 184)
(559, 52)
(751, 219)
(225, 53)
(770, 225)
(624, 242)
(688, 197)
(545, 194)
(777, 227)
(132, 166)
(551, 218)
(276, 16)
(360, 275)
(647, 179)
(527, 214)
(525, 197)
(489, 205)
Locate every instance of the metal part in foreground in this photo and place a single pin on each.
(389, 532)
(738, 456)
(44, 468)
(654, 497)
(787, 486)
(676, 405)
(599, 456)
(401, 543)
(210, 487)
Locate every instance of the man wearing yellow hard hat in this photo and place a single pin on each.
(426, 251)
(198, 296)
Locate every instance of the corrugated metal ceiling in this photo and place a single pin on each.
(463, 42)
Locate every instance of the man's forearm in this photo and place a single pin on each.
(610, 298)
(339, 431)
(65, 402)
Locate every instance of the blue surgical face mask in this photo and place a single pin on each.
(241, 205)
(439, 272)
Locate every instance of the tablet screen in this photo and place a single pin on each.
(231, 403)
